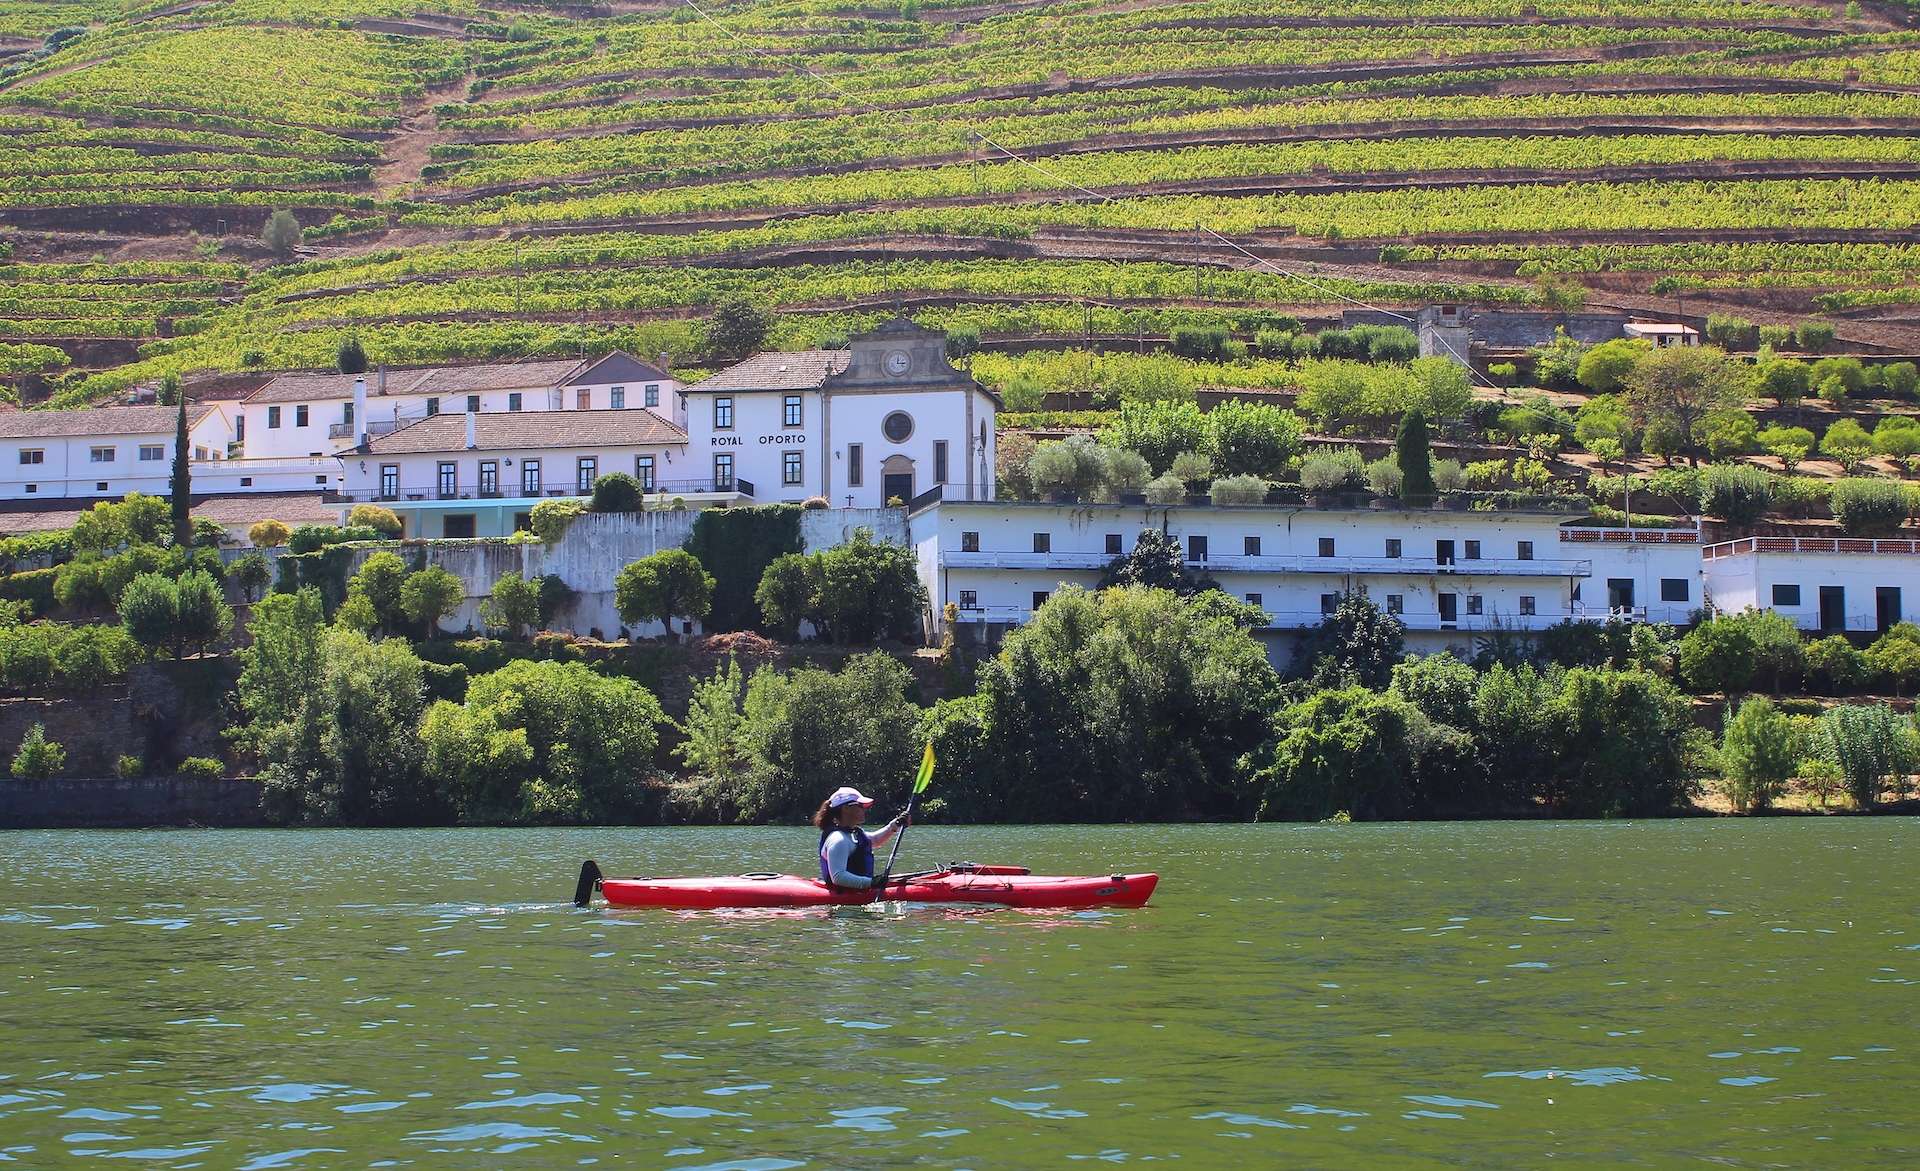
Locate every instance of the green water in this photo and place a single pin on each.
(1474, 995)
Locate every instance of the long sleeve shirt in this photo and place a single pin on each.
(839, 849)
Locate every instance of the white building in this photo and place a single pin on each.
(315, 414)
(887, 418)
(1662, 333)
(1449, 576)
(479, 475)
(105, 452)
(1826, 584)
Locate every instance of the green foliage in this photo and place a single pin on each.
(1604, 368)
(251, 575)
(1868, 744)
(1414, 458)
(550, 518)
(1813, 337)
(38, 758)
(617, 492)
(1249, 439)
(1238, 490)
(1155, 562)
(350, 357)
(112, 524)
(382, 520)
(1557, 363)
(373, 595)
(1836, 665)
(1166, 488)
(1204, 344)
(736, 545)
(662, 586)
(1758, 754)
(1736, 493)
(1623, 747)
(430, 594)
(1895, 657)
(736, 329)
(1333, 469)
(1728, 652)
(869, 591)
(1785, 380)
(1347, 750)
(1440, 686)
(282, 234)
(513, 606)
(202, 768)
(1680, 386)
(544, 741)
(39, 655)
(1868, 508)
(1357, 642)
(716, 747)
(269, 534)
(1731, 333)
(127, 767)
(788, 594)
(35, 587)
(1727, 433)
(1074, 465)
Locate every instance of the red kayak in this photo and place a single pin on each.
(1007, 886)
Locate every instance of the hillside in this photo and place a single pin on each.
(490, 179)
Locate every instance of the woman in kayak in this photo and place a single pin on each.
(846, 850)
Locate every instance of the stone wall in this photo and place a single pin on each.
(77, 803)
(164, 713)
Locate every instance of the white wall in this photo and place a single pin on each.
(1746, 573)
(67, 467)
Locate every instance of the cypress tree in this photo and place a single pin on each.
(181, 488)
(1416, 459)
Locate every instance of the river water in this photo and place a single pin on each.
(1742, 994)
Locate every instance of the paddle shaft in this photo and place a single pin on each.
(901, 836)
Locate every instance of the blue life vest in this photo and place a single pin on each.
(860, 862)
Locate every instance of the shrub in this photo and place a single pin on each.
(1836, 664)
(617, 492)
(35, 587)
(1077, 465)
(1127, 471)
(202, 768)
(1239, 490)
(251, 575)
(1813, 337)
(1758, 754)
(1504, 374)
(429, 595)
(1785, 380)
(1448, 475)
(1332, 469)
(1867, 744)
(1776, 337)
(1165, 489)
(127, 767)
(1193, 468)
(350, 357)
(381, 520)
(788, 594)
(815, 503)
(281, 234)
(1731, 333)
(663, 586)
(1736, 493)
(1202, 343)
(1847, 442)
(1384, 476)
(550, 518)
(1895, 657)
(38, 758)
(1252, 439)
(513, 606)
(1867, 508)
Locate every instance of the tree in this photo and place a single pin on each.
(203, 616)
(715, 746)
(251, 575)
(513, 606)
(269, 534)
(429, 595)
(1442, 388)
(1341, 751)
(870, 591)
(1440, 686)
(617, 492)
(1788, 444)
(373, 595)
(1622, 751)
(150, 611)
(1604, 368)
(1785, 380)
(1835, 664)
(1728, 433)
(38, 758)
(1155, 562)
(1868, 743)
(1899, 437)
(282, 234)
(1868, 508)
(379, 518)
(1895, 657)
(351, 356)
(544, 741)
(1717, 656)
(1730, 332)
(180, 485)
(663, 586)
(1333, 392)
(1813, 337)
(1076, 464)
(1252, 439)
(1736, 493)
(788, 594)
(1415, 459)
(1358, 640)
(1603, 417)
(1680, 385)
(738, 328)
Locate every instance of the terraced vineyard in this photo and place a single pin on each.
(483, 178)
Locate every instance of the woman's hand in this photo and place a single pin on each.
(905, 819)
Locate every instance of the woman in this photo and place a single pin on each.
(846, 850)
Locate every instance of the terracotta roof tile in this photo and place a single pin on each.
(792, 370)
(507, 431)
(309, 387)
(101, 421)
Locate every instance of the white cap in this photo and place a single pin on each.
(846, 796)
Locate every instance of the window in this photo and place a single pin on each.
(523, 522)
(723, 412)
(586, 470)
(246, 481)
(448, 479)
(433, 407)
(853, 465)
(1043, 542)
(1196, 548)
(1473, 550)
(617, 398)
(32, 455)
(1254, 600)
(653, 394)
(1526, 603)
(723, 473)
(1250, 546)
(529, 477)
(969, 599)
(300, 415)
(473, 404)
(790, 411)
(1328, 602)
(1326, 546)
(1393, 546)
(273, 418)
(460, 524)
(99, 485)
(1396, 603)
(969, 542)
(513, 401)
(389, 481)
(33, 487)
(898, 426)
(1474, 604)
(939, 461)
(1786, 595)
(1039, 598)
(789, 467)
(489, 477)
(100, 455)
(643, 471)
(1673, 589)
(1113, 545)
(152, 452)
(346, 414)
(1526, 551)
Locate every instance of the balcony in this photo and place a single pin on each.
(1468, 624)
(1239, 563)
(661, 492)
(375, 427)
(1747, 545)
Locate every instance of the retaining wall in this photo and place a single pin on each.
(82, 803)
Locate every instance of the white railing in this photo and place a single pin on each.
(1631, 536)
(1746, 545)
(1244, 563)
(1307, 619)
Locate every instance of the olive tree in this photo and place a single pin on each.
(663, 586)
